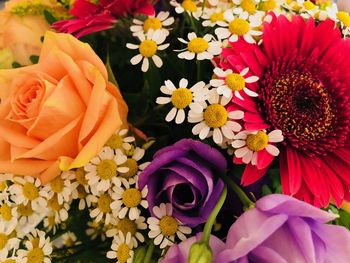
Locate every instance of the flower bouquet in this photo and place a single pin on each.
(174, 131)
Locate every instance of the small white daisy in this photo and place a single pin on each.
(7, 241)
(62, 186)
(136, 154)
(50, 224)
(122, 248)
(120, 140)
(38, 248)
(159, 22)
(181, 98)
(28, 189)
(199, 47)
(68, 239)
(237, 27)
(5, 180)
(60, 211)
(129, 226)
(246, 7)
(187, 6)
(163, 226)
(150, 44)
(127, 200)
(102, 208)
(250, 144)
(213, 17)
(82, 191)
(96, 229)
(228, 82)
(28, 216)
(8, 213)
(102, 170)
(216, 118)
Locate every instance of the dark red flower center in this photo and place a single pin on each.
(298, 99)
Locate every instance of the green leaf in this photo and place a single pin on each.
(50, 18)
(16, 65)
(111, 76)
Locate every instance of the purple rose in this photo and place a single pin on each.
(185, 175)
(179, 253)
(282, 229)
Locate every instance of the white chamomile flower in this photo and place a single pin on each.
(120, 140)
(181, 98)
(159, 22)
(82, 191)
(228, 82)
(137, 154)
(8, 213)
(150, 44)
(127, 200)
(28, 216)
(50, 223)
(199, 47)
(7, 242)
(246, 7)
(129, 226)
(68, 239)
(187, 6)
(164, 227)
(242, 26)
(252, 145)
(28, 189)
(214, 119)
(62, 186)
(60, 211)
(102, 210)
(97, 229)
(38, 248)
(103, 169)
(213, 17)
(122, 248)
(9, 258)
(5, 180)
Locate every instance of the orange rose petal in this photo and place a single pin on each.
(73, 48)
(110, 123)
(59, 109)
(61, 143)
(50, 173)
(122, 106)
(29, 167)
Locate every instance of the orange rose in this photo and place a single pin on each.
(57, 115)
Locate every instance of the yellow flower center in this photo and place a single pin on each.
(9, 261)
(104, 203)
(268, 5)
(115, 142)
(6, 212)
(198, 45)
(217, 17)
(152, 23)
(127, 226)
(123, 253)
(215, 115)
(344, 17)
(189, 6)
(69, 242)
(30, 191)
(53, 203)
(249, 6)
(51, 221)
(34, 8)
(36, 255)
(106, 169)
(235, 81)
(131, 197)
(35, 242)
(309, 5)
(148, 48)
(80, 176)
(181, 98)
(3, 186)
(57, 185)
(25, 210)
(168, 225)
(257, 142)
(239, 27)
(133, 168)
(3, 240)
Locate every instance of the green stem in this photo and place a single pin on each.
(198, 70)
(149, 253)
(211, 220)
(247, 203)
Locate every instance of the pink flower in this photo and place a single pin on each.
(90, 17)
(304, 91)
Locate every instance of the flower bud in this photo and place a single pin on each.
(200, 253)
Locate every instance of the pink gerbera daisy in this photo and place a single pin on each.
(304, 91)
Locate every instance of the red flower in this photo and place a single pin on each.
(304, 90)
(90, 17)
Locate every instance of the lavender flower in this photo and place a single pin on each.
(283, 229)
(185, 175)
